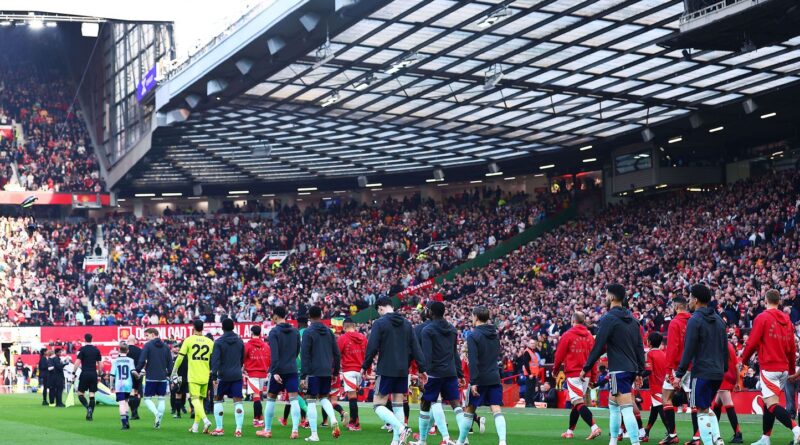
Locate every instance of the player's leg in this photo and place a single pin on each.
(702, 393)
(324, 389)
(668, 413)
(725, 400)
(235, 392)
(219, 405)
(92, 388)
(499, 419)
(149, 395)
(351, 381)
(430, 395)
(656, 408)
(399, 397)
(123, 409)
(771, 387)
(475, 400)
(199, 392)
(625, 403)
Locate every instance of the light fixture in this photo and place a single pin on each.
(405, 62)
(5, 23)
(121, 199)
(494, 173)
(493, 76)
(36, 24)
(661, 186)
(510, 178)
(675, 140)
(777, 153)
(326, 198)
(538, 175)
(244, 65)
(364, 83)
(275, 44)
(585, 147)
(648, 135)
(215, 86)
(239, 192)
(434, 180)
(638, 191)
(407, 187)
(545, 167)
(304, 193)
(589, 160)
(716, 129)
(195, 197)
(323, 54)
(172, 194)
(307, 189)
(332, 99)
(377, 190)
(90, 29)
(768, 115)
(494, 17)
(144, 195)
(749, 106)
(694, 189)
(268, 195)
(156, 199)
(375, 184)
(478, 181)
(339, 192)
(51, 24)
(233, 197)
(441, 185)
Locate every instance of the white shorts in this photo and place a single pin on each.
(656, 398)
(772, 383)
(351, 381)
(685, 382)
(576, 387)
(255, 385)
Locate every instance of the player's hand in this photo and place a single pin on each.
(638, 382)
(474, 390)
(794, 377)
(583, 374)
(423, 378)
(679, 374)
(278, 379)
(462, 383)
(304, 384)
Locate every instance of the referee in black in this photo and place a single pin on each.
(89, 362)
(135, 352)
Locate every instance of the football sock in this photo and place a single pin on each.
(717, 408)
(782, 415)
(269, 413)
(573, 418)
(134, 404)
(91, 403)
(287, 409)
(400, 416)
(500, 426)
(327, 408)
(437, 412)
(406, 410)
(311, 415)
(768, 421)
(161, 406)
(705, 428)
(424, 425)
(295, 411)
(614, 417)
(218, 413)
(353, 410)
(714, 426)
(148, 402)
(199, 411)
(238, 414)
(694, 423)
(586, 414)
(83, 401)
(464, 426)
(668, 416)
(629, 418)
(733, 418)
(257, 409)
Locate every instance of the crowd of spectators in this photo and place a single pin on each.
(741, 240)
(55, 155)
(171, 269)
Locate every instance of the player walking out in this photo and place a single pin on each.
(156, 360)
(724, 398)
(197, 350)
(676, 334)
(256, 365)
(436, 410)
(134, 353)
(772, 337)
(618, 333)
(226, 368)
(284, 346)
(122, 371)
(89, 362)
(392, 339)
(319, 354)
(656, 364)
(483, 351)
(439, 347)
(706, 349)
(573, 350)
(353, 348)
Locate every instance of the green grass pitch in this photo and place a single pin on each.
(23, 420)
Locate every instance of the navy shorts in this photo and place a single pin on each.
(704, 392)
(488, 395)
(391, 385)
(123, 396)
(318, 386)
(230, 389)
(155, 389)
(622, 382)
(446, 386)
(291, 383)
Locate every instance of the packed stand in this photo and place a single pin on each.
(174, 268)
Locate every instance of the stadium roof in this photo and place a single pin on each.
(410, 88)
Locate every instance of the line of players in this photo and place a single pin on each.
(227, 362)
(698, 359)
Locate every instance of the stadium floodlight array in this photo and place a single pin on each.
(330, 100)
(493, 76)
(405, 62)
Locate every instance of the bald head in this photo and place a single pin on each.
(578, 317)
